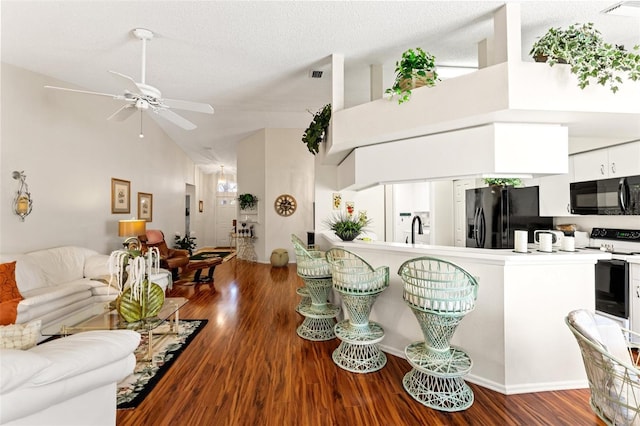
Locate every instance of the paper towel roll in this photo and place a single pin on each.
(546, 242)
(520, 241)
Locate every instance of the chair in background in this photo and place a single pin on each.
(359, 284)
(171, 259)
(612, 369)
(313, 268)
(440, 294)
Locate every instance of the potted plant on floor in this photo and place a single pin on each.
(591, 59)
(187, 242)
(315, 133)
(416, 68)
(347, 227)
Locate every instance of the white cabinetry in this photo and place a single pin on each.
(615, 161)
(554, 193)
(459, 210)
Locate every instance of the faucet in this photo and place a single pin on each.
(413, 230)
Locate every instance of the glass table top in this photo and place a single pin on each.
(99, 316)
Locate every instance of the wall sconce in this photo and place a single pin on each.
(23, 203)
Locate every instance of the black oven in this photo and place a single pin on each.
(617, 196)
(612, 287)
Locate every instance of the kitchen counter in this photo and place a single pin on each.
(516, 335)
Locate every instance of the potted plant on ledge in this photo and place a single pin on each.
(315, 133)
(590, 58)
(416, 68)
(503, 181)
(247, 201)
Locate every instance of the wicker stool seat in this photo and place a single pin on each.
(359, 284)
(319, 314)
(440, 294)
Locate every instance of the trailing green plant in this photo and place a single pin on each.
(503, 181)
(316, 131)
(590, 58)
(247, 201)
(347, 227)
(416, 68)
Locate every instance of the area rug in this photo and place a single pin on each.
(208, 253)
(134, 388)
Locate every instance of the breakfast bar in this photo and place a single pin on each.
(516, 336)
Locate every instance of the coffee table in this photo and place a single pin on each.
(99, 316)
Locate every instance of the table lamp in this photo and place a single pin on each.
(131, 229)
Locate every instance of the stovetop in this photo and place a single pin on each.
(621, 242)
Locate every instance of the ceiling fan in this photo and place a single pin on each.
(139, 96)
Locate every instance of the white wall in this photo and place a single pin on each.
(289, 170)
(273, 162)
(70, 152)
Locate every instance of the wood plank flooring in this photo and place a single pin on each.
(249, 367)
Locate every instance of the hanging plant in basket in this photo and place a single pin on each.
(316, 131)
(415, 69)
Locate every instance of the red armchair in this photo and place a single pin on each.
(172, 259)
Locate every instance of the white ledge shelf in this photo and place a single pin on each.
(509, 92)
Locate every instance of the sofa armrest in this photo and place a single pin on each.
(83, 352)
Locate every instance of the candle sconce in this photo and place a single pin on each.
(23, 203)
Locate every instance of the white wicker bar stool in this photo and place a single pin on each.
(360, 285)
(440, 294)
(319, 314)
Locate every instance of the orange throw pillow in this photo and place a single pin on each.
(9, 294)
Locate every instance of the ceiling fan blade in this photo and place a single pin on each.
(126, 81)
(123, 113)
(86, 92)
(188, 105)
(175, 118)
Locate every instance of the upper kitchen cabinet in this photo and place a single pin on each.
(554, 193)
(614, 161)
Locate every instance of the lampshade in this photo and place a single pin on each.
(131, 228)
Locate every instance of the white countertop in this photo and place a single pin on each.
(502, 256)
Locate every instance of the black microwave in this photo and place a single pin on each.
(615, 196)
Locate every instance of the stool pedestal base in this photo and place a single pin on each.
(440, 393)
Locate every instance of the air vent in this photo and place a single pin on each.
(316, 74)
(624, 8)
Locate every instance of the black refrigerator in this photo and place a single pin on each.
(493, 213)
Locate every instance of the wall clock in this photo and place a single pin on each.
(285, 205)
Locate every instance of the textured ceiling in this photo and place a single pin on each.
(251, 59)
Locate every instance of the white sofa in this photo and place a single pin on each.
(57, 282)
(67, 381)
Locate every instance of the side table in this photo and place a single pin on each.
(246, 250)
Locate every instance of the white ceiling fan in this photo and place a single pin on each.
(143, 97)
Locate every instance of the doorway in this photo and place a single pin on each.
(190, 191)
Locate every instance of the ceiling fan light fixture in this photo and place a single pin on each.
(141, 135)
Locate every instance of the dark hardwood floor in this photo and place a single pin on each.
(249, 367)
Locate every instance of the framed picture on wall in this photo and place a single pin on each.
(145, 206)
(120, 196)
(200, 206)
